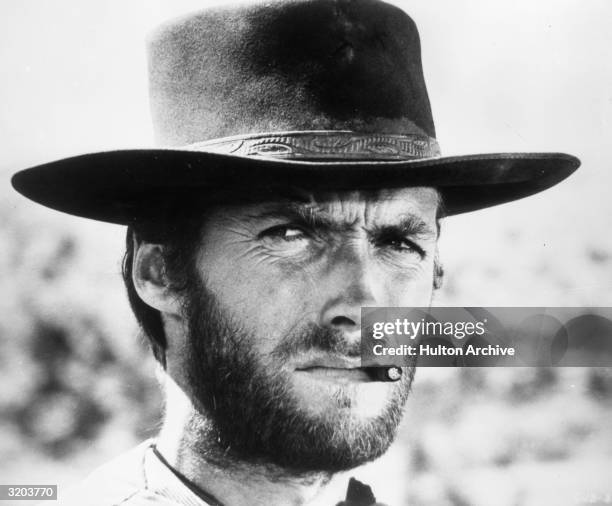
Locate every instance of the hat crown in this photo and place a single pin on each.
(300, 65)
(295, 92)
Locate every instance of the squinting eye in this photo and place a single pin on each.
(284, 232)
(292, 233)
(401, 245)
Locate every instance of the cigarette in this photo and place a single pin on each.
(385, 373)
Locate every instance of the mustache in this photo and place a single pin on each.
(315, 337)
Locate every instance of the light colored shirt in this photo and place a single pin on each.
(140, 478)
(136, 478)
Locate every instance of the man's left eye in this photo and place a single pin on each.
(401, 245)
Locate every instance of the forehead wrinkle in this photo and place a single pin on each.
(312, 214)
(341, 210)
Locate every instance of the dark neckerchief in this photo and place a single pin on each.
(202, 494)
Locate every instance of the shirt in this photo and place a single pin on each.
(140, 478)
(136, 478)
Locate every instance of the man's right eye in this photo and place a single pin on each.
(284, 232)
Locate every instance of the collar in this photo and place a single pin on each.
(162, 480)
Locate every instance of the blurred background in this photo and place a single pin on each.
(78, 384)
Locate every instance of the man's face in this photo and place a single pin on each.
(273, 336)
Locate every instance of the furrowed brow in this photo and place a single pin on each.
(408, 225)
(305, 214)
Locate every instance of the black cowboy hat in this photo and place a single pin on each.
(327, 93)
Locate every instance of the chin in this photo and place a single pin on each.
(357, 401)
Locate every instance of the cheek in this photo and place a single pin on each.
(411, 287)
(267, 300)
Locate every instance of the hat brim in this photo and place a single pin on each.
(119, 186)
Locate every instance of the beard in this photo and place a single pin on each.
(246, 410)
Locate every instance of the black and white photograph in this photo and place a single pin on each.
(208, 205)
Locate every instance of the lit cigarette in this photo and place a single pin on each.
(393, 373)
(385, 373)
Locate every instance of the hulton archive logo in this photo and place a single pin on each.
(477, 336)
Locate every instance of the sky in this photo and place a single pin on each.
(502, 75)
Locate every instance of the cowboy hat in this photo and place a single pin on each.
(325, 93)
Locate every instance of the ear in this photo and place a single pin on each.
(150, 280)
(438, 272)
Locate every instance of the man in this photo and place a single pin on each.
(301, 181)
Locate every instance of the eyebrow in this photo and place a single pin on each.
(303, 213)
(409, 224)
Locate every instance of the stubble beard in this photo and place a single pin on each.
(247, 413)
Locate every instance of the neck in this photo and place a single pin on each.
(188, 444)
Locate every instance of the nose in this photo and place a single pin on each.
(352, 284)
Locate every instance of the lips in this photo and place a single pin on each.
(330, 362)
(331, 368)
(339, 375)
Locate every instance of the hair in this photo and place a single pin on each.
(178, 229)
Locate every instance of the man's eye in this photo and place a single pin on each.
(285, 233)
(401, 245)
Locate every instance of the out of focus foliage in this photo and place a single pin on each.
(516, 436)
(66, 374)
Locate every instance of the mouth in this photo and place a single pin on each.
(340, 369)
(336, 374)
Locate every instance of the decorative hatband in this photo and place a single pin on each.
(325, 145)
